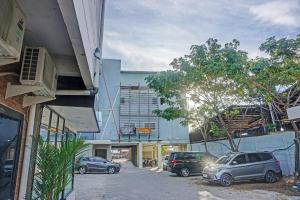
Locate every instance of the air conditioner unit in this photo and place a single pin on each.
(12, 29)
(38, 69)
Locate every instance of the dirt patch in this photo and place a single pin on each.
(284, 186)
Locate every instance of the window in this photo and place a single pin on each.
(265, 156)
(253, 157)
(154, 101)
(122, 100)
(54, 131)
(10, 123)
(189, 156)
(240, 159)
(151, 125)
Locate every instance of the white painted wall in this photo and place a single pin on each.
(90, 20)
(259, 143)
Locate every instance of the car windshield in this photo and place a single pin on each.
(224, 159)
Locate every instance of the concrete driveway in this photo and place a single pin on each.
(143, 184)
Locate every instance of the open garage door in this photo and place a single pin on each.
(125, 152)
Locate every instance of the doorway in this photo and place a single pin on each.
(101, 153)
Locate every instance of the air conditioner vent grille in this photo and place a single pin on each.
(30, 64)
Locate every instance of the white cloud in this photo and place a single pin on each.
(279, 12)
(139, 57)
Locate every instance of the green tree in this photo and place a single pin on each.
(277, 77)
(209, 77)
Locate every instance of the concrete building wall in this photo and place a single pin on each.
(170, 131)
(90, 16)
(273, 142)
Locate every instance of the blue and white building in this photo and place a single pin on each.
(126, 117)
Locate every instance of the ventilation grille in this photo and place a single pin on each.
(30, 64)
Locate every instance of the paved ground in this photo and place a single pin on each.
(143, 184)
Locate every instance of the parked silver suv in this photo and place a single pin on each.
(243, 166)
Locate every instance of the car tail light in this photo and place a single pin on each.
(173, 162)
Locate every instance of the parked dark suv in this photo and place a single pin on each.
(186, 163)
(96, 164)
(243, 166)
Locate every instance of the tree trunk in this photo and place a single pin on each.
(232, 144)
(204, 137)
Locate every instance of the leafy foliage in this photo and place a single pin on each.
(277, 77)
(209, 77)
(54, 167)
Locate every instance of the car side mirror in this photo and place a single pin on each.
(234, 162)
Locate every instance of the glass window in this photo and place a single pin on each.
(53, 130)
(253, 157)
(265, 156)
(189, 156)
(240, 159)
(154, 101)
(150, 125)
(122, 100)
(9, 152)
(225, 159)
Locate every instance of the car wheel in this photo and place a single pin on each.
(82, 170)
(185, 172)
(226, 180)
(111, 170)
(270, 177)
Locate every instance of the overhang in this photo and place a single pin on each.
(53, 24)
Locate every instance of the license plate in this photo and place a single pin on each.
(204, 175)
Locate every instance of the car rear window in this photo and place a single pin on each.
(266, 156)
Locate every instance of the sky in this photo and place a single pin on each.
(148, 34)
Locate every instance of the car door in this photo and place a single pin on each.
(238, 167)
(101, 164)
(255, 166)
(191, 162)
(91, 164)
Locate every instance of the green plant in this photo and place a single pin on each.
(54, 167)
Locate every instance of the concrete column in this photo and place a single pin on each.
(27, 152)
(159, 156)
(140, 155)
(109, 155)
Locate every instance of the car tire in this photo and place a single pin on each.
(185, 172)
(111, 170)
(270, 177)
(82, 170)
(226, 180)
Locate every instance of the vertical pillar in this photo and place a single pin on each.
(140, 155)
(109, 154)
(159, 156)
(27, 152)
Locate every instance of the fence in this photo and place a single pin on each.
(279, 143)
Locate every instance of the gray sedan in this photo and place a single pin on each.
(96, 165)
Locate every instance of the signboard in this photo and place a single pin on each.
(293, 112)
(143, 130)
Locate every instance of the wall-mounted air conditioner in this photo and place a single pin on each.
(12, 28)
(38, 69)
